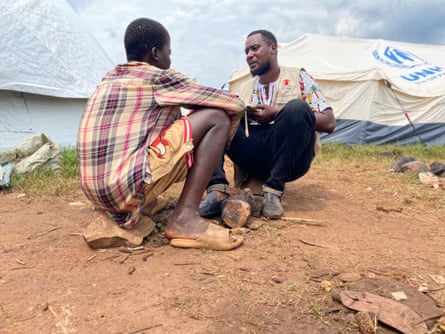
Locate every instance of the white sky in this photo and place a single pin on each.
(208, 35)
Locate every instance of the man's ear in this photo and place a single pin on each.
(154, 54)
(274, 49)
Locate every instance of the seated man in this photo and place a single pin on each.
(133, 142)
(277, 140)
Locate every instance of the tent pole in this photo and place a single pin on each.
(388, 84)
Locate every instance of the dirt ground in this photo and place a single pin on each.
(342, 220)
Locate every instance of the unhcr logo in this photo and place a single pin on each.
(398, 58)
(407, 60)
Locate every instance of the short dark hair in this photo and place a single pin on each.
(268, 37)
(141, 36)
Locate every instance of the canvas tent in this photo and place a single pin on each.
(49, 66)
(373, 85)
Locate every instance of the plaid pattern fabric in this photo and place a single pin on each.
(131, 106)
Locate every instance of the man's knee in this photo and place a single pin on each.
(296, 111)
(217, 116)
(212, 114)
(297, 105)
(204, 120)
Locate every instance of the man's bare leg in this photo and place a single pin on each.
(210, 133)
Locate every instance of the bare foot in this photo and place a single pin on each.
(186, 224)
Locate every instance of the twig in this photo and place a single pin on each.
(43, 233)
(111, 256)
(146, 256)
(91, 257)
(57, 318)
(186, 263)
(125, 259)
(305, 221)
(312, 244)
(131, 249)
(146, 328)
(208, 273)
(436, 289)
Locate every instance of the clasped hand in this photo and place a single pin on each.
(262, 113)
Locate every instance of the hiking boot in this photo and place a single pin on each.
(272, 207)
(211, 206)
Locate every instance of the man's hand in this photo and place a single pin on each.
(325, 121)
(262, 113)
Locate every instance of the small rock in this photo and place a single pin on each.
(429, 179)
(102, 232)
(255, 201)
(326, 285)
(350, 277)
(401, 160)
(399, 295)
(415, 167)
(437, 168)
(277, 280)
(235, 213)
(255, 225)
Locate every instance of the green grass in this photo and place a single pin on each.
(42, 182)
(45, 182)
(366, 153)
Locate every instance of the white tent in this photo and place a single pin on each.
(381, 91)
(50, 64)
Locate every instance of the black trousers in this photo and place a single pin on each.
(275, 153)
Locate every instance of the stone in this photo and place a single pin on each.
(255, 201)
(350, 277)
(430, 179)
(102, 232)
(437, 168)
(401, 160)
(388, 311)
(419, 302)
(415, 167)
(235, 213)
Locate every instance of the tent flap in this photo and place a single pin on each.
(50, 65)
(46, 50)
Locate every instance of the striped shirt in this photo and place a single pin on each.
(131, 106)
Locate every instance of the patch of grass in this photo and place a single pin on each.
(293, 286)
(316, 309)
(366, 153)
(46, 182)
(70, 165)
(42, 182)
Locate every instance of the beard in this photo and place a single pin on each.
(261, 69)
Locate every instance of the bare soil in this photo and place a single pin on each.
(359, 219)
